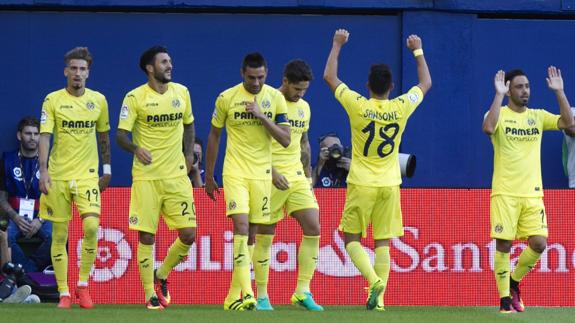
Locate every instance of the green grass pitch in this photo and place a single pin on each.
(209, 313)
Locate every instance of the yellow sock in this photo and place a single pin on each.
(60, 255)
(382, 266)
(261, 260)
(526, 262)
(307, 262)
(89, 248)
(361, 261)
(501, 269)
(241, 266)
(177, 252)
(251, 248)
(146, 266)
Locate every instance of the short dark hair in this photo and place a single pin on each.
(28, 121)
(149, 56)
(510, 75)
(297, 71)
(332, 134)
(199, 142)
(379, 79)
(254, 60)
(79, 53)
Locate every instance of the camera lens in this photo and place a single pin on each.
(335, 151)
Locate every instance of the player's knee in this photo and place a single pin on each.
(187, 237)
(538, 245)
(147, 238)
(90, 227)
(312, 230)
(241, 228)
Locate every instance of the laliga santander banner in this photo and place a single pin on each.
(444, 258)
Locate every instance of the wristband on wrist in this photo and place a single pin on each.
(418, 52)
(107, 169)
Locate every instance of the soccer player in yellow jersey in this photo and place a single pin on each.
(516, 209)
(73, 115)
(291, 191)
(377, 125)
(159, 116)
(253, 113)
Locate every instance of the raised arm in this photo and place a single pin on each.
(555, 83)
(189, 139)
(423, 75)
(340, 37)
(501, 87)
(106, 158)
(211, 155)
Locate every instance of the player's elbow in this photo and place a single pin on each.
(488, 129)
(286, 140)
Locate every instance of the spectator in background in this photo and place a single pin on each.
(197, 174)
(4, 248)
(332, 164)
(19, 194)
(569, 153)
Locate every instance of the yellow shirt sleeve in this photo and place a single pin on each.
(188, 115)
(348, 98)
(281, 111)
(550, 120)
(47, 118)
(220, 112)
(103, 122)
(128, 113)
(410, 100)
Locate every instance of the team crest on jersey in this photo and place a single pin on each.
(531, 121)
(124, 111)
(43, 117)
(17, 173)
(90, 105)
(300, 113)
(49, 211)
(413, 97)
(232, 205)
(266, 104)
(498, 228)
(133, 220)
(176, 103)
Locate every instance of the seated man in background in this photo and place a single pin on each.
(332, 164)
(19, 194)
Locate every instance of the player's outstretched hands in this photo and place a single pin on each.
(340, 37)
(554, 79)
(211, 187)
(501, 87)
(413, 42)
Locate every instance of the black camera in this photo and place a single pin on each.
(335, 151)
(196, 158)
(13, 273)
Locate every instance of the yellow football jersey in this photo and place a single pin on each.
(157, 124)
(249, 145)
(517, 151)
(376, 129)
(287, 161)
(74, 121)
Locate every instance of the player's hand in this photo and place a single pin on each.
(211, 187)
(35, 225)
(254, 108)
(190, 163)
(501, 87)
(340, 37)
(279, 180)
(413, 42)
(143, 155)
(104, 181)
(554, 79)
(23, 224)
(344, 163)
(45, 182)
